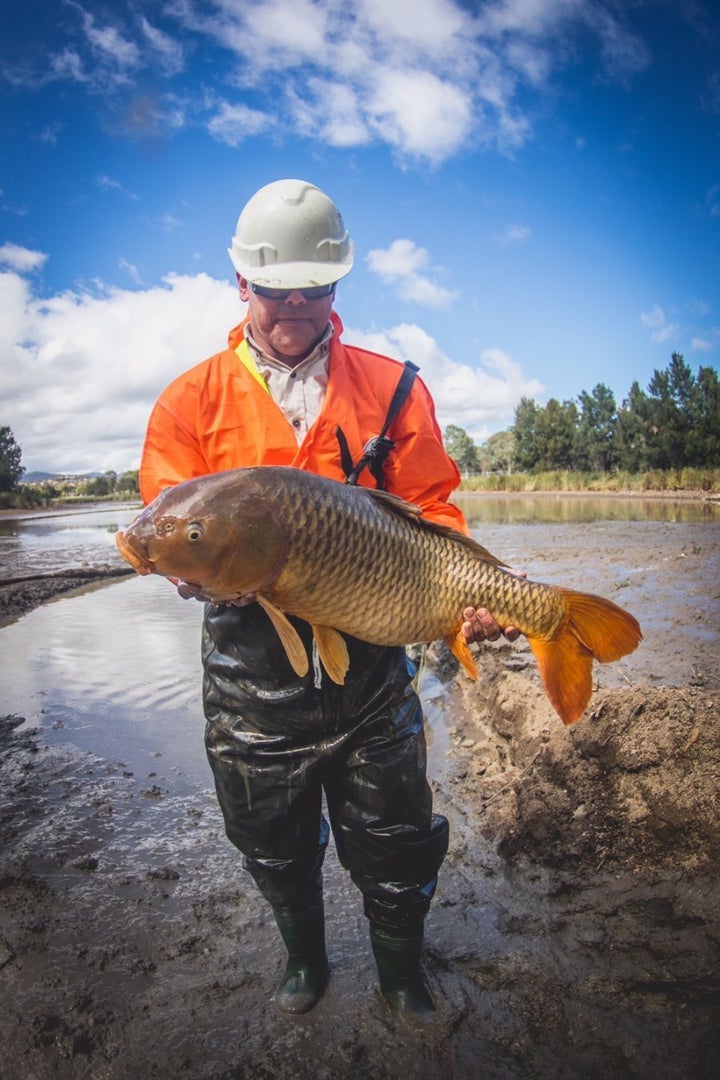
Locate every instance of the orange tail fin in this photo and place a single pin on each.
(595, 628)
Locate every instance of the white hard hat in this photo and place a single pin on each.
(290, 235)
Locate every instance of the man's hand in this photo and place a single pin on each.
(479, 625)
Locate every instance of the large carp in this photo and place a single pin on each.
(366, 563)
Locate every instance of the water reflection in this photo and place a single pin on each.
(533, 509)
(56, 540)
(115, 671)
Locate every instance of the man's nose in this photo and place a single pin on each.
(295, 297)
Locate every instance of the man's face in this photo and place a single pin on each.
(286, 329)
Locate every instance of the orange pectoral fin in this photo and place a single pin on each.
(461, 651)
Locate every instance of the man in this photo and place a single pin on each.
(287, 391)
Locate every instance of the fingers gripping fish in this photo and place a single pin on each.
(350, 560)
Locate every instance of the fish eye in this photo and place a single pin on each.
(194, 532)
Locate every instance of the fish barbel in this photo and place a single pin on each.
(361, 562)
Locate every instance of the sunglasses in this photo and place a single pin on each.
(316, 292)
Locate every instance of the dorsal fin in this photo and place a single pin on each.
(408, 510)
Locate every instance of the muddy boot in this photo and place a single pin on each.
(306, 973)
(401, 981)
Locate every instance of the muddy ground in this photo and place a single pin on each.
(575, 932)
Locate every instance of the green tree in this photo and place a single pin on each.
(498, 453)
(524, 432)
(10, 460)
(555, 427)
(99, 486)
(462, 450)
(595, 444)
(127, 483)
(631, 431)
(671, 393)
(704, 436)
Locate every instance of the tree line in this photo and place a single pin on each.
(675, 424)
(14, 493)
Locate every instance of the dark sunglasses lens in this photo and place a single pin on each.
(314, 293)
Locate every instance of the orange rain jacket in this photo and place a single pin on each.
(217, 416)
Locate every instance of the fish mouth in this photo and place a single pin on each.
(137, 559)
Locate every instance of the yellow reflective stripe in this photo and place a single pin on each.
(245, 357)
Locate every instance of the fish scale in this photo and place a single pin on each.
(433, 575)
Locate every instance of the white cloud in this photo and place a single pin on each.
(79, 373)
(420, 114)
(108, 41)
(108, 184)
(480, 396)
(401, 263)
(653, 318)
(169, 51)
(515, 234)
(709, 342)
(656, 320)
(232, 124)
(427, 79)
(20, 258)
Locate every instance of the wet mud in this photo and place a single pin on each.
(576, 927)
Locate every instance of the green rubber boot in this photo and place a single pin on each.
(305, 977)
(401, 980)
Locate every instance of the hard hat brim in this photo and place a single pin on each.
(294, 275)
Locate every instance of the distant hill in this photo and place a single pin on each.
(39, 477)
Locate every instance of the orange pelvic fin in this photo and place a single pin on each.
(333, 652)
(288, 635)
(461, 651)
(595, 628)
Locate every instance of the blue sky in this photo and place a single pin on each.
(533, 187)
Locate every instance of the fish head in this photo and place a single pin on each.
(218, 532)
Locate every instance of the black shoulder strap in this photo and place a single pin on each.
(377, 449)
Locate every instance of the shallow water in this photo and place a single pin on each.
(551, 509)
(115, 671)
(41, 543)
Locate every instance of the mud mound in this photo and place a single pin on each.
(636, 781)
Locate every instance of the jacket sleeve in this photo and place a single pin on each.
(172, 451)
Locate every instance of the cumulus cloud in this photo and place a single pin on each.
(232, 124)
(79, 372)
(656, 321)
(20, 258)
(480, 395)
(709, 342)
(401, 264)
(428, 80)
(515, 234)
